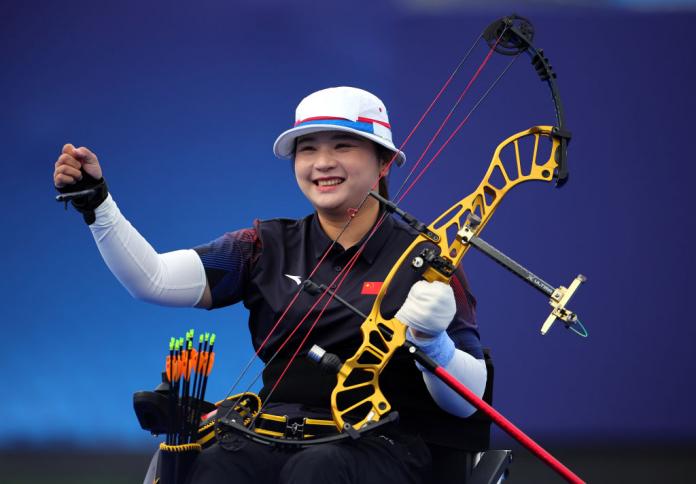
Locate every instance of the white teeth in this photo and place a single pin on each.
(328, 183)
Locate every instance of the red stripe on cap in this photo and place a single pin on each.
(330, 118)
(368, 120)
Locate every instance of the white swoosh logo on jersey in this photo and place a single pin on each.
(297, 279)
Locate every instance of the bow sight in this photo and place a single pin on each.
(558, 297)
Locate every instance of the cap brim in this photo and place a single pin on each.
(284, 145)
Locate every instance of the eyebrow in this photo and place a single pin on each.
(336, 137)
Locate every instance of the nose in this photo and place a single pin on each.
(324, 160)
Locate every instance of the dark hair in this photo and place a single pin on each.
(384, 155)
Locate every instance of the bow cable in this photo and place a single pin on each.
(346, 270)
(521, 42)
(451, 136)
(382, 174)
(449, 115)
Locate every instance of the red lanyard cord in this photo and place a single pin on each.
(447, 118)
(456, 130)
(316, 267)
(344, 272)
(342, 275)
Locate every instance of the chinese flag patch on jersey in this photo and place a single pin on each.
(371, 288)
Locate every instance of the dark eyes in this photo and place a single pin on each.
(339, 146)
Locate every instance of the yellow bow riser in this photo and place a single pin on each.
(516, 160)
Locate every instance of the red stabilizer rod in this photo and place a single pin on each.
(495, 416)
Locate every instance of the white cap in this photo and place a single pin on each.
(340, 109)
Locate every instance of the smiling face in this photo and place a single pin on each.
(335, 170)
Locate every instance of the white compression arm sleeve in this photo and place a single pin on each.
(170, 279)
(465, 368)
(469, 371)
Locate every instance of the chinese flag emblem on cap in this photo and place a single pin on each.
(371, 288)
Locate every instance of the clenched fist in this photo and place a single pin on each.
(79, 175)
(70, 163)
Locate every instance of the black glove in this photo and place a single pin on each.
(85, 204)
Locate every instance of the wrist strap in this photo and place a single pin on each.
(85, 195)
(440, 348)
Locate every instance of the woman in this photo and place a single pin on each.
(340, 145)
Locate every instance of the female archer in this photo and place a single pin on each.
(341, 147)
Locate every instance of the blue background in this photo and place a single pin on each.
(182, 105)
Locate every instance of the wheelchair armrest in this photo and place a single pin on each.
(491, 467)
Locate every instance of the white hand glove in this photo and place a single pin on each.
(429, 307)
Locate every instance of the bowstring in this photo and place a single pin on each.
(449, 115)
(343, 274)
(345, 271)
(343, 229)
(423, 170)
(457, 129)
(272, 330)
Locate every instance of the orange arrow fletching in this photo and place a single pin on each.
(202, 361)
(168, 368)
(210, 365)
(193, 361)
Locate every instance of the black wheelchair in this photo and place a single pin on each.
(472, 463)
